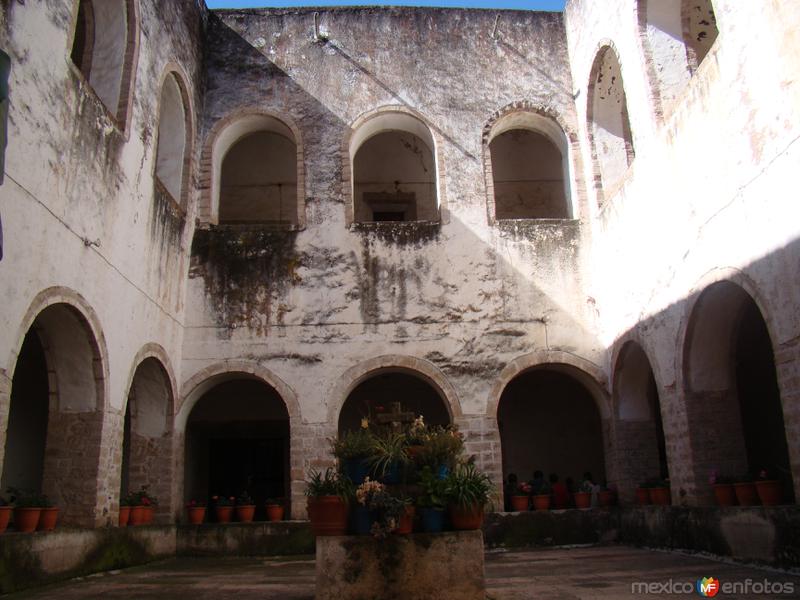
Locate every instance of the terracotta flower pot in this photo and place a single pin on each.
(406, 524)
(26, 519)
(245, 513)
(519, 503)
(148, 514)
(466, 518)
(328, 515)
(724, 494)
(660, 496)
(224, 513)
(541, 502)
(605, 498)
(745, 493)
(196, 514)
(137, 515)
(5, 517)
(124, 515)
(48, 519)
(275, 512)
(583, 499)
(769, 492)
(642, 496)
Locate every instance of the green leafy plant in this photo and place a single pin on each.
(274, 502)
(244, 499)
(466, 486)
(223, 500)
(441, 446)
(353, 445)
(21, 498)
(542, 489)
(388, 450)
(142, 497)
(433, 491)
(329, 483)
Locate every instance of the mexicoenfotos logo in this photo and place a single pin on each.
(708, 587)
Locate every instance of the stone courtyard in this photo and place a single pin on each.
(554, 574)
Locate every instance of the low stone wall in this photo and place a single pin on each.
(34, 559)
(445, 566)
(765, 535)
(246, 539)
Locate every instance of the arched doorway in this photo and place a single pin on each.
(147, 437)
(381, 391)
(56, 414)
(638, 428)
(733, 402)
(237, 439)
(550, 422)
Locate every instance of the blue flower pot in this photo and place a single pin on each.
(392, 475)
(361, 520)
(432, 520)
(356, 470)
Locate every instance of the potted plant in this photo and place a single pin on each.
(416, 436)
(769, 490)
(431, 501)
(468, 491)
(223, 508)
(245, 508)
(405, 521)
(353, 450)
(441, 448)
(124, 511)
(642, 493)
(49, 514)
(583, 497)
(389, 458)
(658, 490)
(362, 515)
(275, 509)
(541, 496)
(606, 496)
(723, 489)
(27, 509)
(328, 495)
(142, 506)
(5, 514)
(745, 489)
(521, 499)
(196, 511)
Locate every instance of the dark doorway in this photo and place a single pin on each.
(378, 394)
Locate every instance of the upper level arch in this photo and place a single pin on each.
(391, 168)
(105, 50)
(608, 124)
(175, 136)
(253, 171)
(526, 156)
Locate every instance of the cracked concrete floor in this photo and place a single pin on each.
(595, 572)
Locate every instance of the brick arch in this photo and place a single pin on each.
(205, 379)
(569, 146)
(208, 209)
(590, 375)
(175, 70)
(348, 153)
(156, 351)
(617, 351)
(602, 47)
(410, 365)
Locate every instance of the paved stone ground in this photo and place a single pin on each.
(596, 572)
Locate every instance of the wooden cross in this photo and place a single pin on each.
(396, 417)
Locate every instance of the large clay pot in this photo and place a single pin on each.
(124, 515)
(224, 513)
(148, 514)
(724, 494)
(245, 513)
(137, 515)
(605, 498)
(5, 517)
(519, 503)
(275, 512)
(48, 519)
(466, 518)
(541, 502)
(328, 515)
(196, 514)
(583, 499)
(406, 524)
(769, 492)
(660, 496)
(642, 496)
(745, 493)
(26, 519)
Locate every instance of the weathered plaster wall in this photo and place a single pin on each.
(706, 197)
(467, 298)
